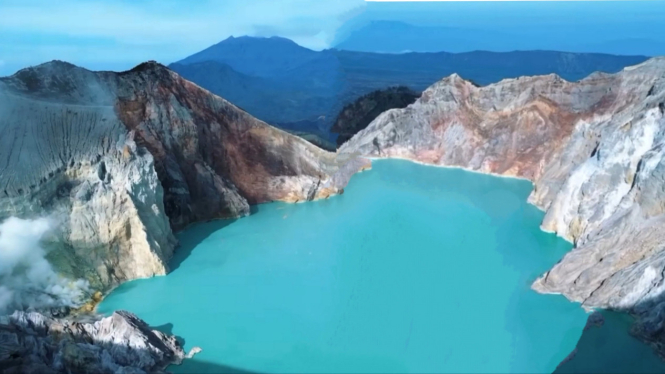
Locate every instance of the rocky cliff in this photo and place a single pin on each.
(122, 343)
(594, 151)
(120, 160)
(360, 113)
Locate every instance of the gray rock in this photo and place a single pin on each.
(65, 154)
(594, 151)
(122, 343)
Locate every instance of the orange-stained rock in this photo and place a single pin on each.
(213, 158)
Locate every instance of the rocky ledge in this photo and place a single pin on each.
(594, 150)
(121, 343)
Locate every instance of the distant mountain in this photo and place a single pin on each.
(256, 56)
(302, 100)
(636, 46)
(222, 78)
(401, 37)
(279, 99)
(420, 70)
(302, 90)
(274, 79)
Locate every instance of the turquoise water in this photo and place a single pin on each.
(414, 269)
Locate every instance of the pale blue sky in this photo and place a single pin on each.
(118, 34)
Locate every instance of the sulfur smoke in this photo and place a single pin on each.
(27, 280)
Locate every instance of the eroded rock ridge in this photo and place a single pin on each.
(594, 151)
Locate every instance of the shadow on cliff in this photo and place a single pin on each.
(197, 233)
(167, 328)
(610, 348)
(194, 365)
(15, 363)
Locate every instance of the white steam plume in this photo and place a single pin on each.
(27, 280)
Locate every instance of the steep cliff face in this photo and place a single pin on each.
(66, 154)
(594, 151)
(212, 158)
(122, 159)
(359, 114)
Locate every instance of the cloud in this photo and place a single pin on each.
(27, 279)
(166, 30)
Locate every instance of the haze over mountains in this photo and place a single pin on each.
(399, 37)
(298, 89)
(617, 27)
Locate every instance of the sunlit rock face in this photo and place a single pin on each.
(593, 149)
(119, 160)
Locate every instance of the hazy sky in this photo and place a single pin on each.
(621, 27)
(118, 34)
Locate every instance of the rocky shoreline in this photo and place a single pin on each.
(31, 342)
(594, 152)
(118, 162)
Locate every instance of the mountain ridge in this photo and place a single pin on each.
(274, 54)
(298, 97)
(392, 36)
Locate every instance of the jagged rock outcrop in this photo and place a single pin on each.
(122, 159)
(121, 343)
(360, 113)
(594, 151)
